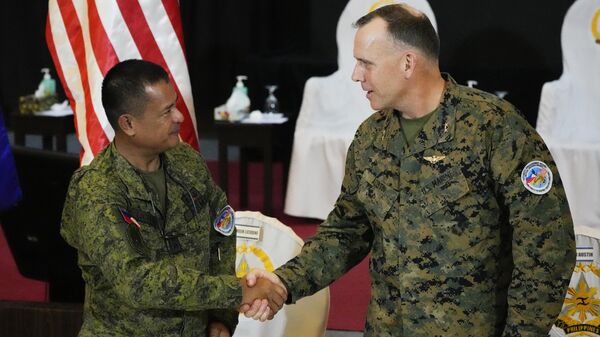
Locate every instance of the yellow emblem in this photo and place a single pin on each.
(580, 314)
(434, 159)
(595, 26)
(581, 310)
(242, 268)
(381, 3)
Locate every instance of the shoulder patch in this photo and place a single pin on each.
(225, 221)
(537, 177)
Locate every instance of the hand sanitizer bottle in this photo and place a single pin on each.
(238, 104)
(47, 86)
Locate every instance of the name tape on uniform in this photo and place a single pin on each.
(248, 232)
(585, 254)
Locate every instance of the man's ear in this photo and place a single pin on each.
(409, 63)
(126, 124)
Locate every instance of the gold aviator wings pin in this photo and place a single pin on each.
(434, 159)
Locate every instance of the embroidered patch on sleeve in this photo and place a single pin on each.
(537, 177)
(225, 222)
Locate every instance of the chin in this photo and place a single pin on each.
(172, 142)
(375, 106)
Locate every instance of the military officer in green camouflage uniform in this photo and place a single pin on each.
(141, 216)
(454, 196)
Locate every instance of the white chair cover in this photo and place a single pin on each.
(569, 113)
(580, 315)
(332, 109)
(278, 244)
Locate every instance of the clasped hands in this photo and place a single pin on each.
(263, 295)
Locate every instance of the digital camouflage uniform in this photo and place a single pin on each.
(459, 247)
(165, 278)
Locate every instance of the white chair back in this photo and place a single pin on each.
(332, 109)
(569, 112)
(277, 244)
(570, 106)
(581, 308)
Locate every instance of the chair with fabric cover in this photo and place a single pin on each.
(581, 307)
(277, 244)
(569, 112)
(332, 109)
(32, 225)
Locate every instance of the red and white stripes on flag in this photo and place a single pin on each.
(87, 37)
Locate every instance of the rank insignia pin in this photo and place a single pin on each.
(434, 159)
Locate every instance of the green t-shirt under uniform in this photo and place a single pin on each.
(411, 127)
(157, 184)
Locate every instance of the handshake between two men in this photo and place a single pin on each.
(263, 295)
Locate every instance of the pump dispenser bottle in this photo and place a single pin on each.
(47, 86)
(238, 104)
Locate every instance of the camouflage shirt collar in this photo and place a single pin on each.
(438, 129)
(132, 179)
(126, 173)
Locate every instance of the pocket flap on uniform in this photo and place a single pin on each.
(376, 196)
(443, 189)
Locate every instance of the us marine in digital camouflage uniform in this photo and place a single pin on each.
(141, 216)
(454, 196)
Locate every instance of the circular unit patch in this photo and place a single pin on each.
(537, 177)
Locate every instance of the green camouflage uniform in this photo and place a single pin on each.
(458, 245)
(170, 276)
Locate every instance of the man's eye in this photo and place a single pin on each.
(365, 64)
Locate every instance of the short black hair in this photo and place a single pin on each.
(124, 88)
(414, 30)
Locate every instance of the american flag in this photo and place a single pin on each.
(87, 37)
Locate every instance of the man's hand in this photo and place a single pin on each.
(218, 329)
(259, 309)
(263, 294)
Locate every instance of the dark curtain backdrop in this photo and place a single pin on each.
(505, 45)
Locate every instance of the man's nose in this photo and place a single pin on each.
(357, 75)
(178, 116)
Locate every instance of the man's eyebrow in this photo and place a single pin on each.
(170, 106)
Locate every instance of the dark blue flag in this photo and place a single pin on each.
(10, 191)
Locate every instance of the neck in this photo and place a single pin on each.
(424, 94)
(138, 157)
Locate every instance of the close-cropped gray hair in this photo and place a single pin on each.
(406, 26)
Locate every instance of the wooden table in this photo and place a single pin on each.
(46, 126)
(264, 137)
